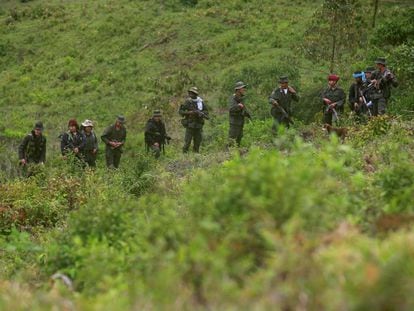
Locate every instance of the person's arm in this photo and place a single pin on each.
(294, 94)
(184, 111)
(64, 143)
(43, 151)
(341, 100)
(106, 134)
(23, 149)
(235, 107)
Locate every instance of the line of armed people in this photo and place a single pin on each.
(368, 95)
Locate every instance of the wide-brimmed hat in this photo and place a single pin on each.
(38, 126)
(381, 60)
(283, 79)
(87, 123)
(333, 77)
(240, 85)
(73, 122)
(369, 69)
(120, 119)
(156, 113)
(193, 90)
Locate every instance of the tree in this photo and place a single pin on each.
(337, 29)
(376, 2)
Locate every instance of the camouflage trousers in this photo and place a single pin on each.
(195, 135)
(113, 157)
(235, 134)
(379, 106)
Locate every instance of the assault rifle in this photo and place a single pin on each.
(283, 111)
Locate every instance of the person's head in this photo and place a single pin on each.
(240, 88)
(38, 128)
(193, 92)
(359, 76)
(333, 80)
(73, 125)
(381, 63)
(284, 82)
(156, 116)
(368, 72)
(120, 121)
(87, 126)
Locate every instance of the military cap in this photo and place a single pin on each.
(240, 85)
(370, 69)
(87, 123)
(283, 79)
(156, 113)
(381, 60)
(120, 119)
(193, 90)
(333, 77)
(38, 126)
(73, 122)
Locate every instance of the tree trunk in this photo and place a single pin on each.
(374, 18)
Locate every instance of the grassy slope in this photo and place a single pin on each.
(94, 59)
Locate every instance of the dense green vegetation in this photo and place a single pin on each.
(293, 221)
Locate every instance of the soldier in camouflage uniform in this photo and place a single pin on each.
(333, 99)
(194, 111)
(358, 102)
(114, 138)
(281, 101)
(383, 80)
(91, 143)
(73, 141)
(156, 134)
(32, 150)
(237, 113)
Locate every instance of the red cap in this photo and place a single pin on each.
(73, 122)
(333, 77)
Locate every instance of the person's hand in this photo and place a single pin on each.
(76, 150)
(327, 101)
(94, 151)
(332, 106)
(23, 161)
(156, 144)
(113, 144)
(361, 100)
(291, 90)
(241, 105)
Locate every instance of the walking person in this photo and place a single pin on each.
(155, 134)
(32, 149)
(72, 142)
(281, 102)
(237, 113)
(383, 80)
(90, 150)
(333, 99)
(194, 112)
(114, 138)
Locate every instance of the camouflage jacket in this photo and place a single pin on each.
(70, 141)
(387, 80)
(284, 100)
(336, 95)
(91, 142)
(194, 117)
(236, 113)
(33, 148)
(155, 132)
(112, 134)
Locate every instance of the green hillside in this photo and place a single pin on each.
(296, 220)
